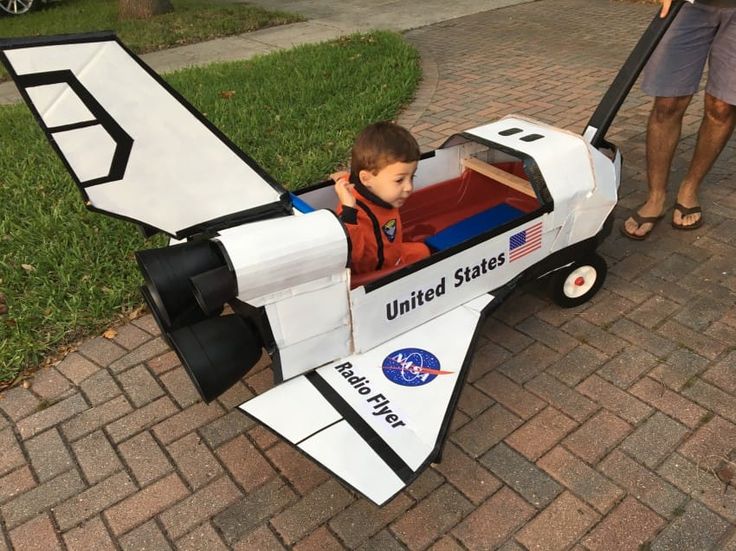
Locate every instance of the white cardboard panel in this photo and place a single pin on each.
(281, 253)
(74, 57)
(294, 409)
(308, 315)
(454, 280)
(305, 355)
(345, 453)
(308, 287)
(88, 151)
(58, 105)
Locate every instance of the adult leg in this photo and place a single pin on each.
(663, 134)
(671, 77)
(715, 130)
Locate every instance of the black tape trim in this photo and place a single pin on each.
(531, 137)
(315, 433)
(364, 430)
(74, 126)
(313, 187)
(255, 214)
(123, 141)
(59, 39)
(536, 179)
(376, 232)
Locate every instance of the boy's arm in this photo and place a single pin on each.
(349, 216)
(357, 235)
(344, 188)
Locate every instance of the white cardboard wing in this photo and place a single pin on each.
(377, 419)
(135, 147)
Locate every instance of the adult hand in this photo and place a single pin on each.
(344, 188)
(665, 8)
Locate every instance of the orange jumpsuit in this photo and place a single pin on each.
(375, 232)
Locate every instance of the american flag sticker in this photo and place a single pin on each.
(525, 242)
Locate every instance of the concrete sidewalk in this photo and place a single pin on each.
(327, 20)
(611, 426)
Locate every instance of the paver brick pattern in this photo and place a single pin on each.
(607, 426)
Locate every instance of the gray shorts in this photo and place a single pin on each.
(698, 33)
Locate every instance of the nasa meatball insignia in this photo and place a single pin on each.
(412, 367)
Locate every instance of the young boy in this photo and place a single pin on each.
(382, 167)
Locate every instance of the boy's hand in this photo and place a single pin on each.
(344, 188)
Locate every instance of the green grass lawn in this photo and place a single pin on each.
(191, 21)
(69, 273)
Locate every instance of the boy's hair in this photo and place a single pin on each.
(381, 144)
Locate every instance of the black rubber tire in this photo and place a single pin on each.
(566, 293)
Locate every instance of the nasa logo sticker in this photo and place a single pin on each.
(412, 367)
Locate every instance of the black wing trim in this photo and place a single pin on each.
(123, 141)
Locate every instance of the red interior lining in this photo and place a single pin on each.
(436, 207)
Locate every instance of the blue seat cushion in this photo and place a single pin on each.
(470, 227)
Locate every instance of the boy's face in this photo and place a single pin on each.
(393, 183)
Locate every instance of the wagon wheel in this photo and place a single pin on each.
(578, 282)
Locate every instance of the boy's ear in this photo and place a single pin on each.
(365, 177)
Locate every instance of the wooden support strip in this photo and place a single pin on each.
(501, 176)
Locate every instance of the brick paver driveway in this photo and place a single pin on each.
(607, 427)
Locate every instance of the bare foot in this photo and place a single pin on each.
(3, 305)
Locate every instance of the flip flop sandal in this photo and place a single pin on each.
(684, 211)
(639, 219)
